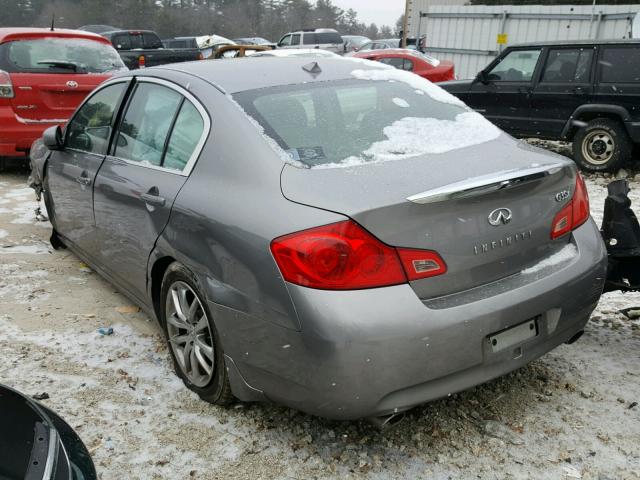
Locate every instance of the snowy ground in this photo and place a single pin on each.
(571, 414)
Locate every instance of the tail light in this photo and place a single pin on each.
(344, 256)
(141, 61)
(6, 87)
(574, 214)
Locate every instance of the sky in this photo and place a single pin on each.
(380, 12)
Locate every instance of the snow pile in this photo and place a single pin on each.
(564, 255)
(414, 136)
(411, 79)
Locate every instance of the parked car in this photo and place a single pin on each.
(298, 52)
(385, 43)
(254, 41)
(143, 48)
(98, 28)
(44, 75)
(207, 44)
(413, 61)
(323, 38)
(339, 236)
(587, 92)
(238, 51)
(36, 444)
(352, 43)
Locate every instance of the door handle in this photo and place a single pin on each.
(154, 200)
(579, 91)
(526, 90)
(84, 179)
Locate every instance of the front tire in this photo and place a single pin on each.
(603, 145)
(192, 337)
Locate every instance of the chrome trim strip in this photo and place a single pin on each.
(485, 184)
(51, 455)
(28, 121)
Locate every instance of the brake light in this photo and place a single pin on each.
(344, 256)
(574, 214)
(141, 61)
(6, 87)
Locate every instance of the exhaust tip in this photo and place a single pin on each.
(386, 422)
(575, 337)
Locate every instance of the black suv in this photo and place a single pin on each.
(587, 92)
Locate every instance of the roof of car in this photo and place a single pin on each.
(577, 42)
(8, 34)
(242, 74)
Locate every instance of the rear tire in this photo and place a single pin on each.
(603, 145)
(192, 337)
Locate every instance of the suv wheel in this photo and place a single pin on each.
(192, 336)
(602, 146)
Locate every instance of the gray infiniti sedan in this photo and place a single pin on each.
(339, 237)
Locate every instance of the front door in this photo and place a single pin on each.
(565, 84)
(139, 181)
(71, 172)
(505, 98)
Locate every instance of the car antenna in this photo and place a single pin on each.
(53, 17)
(313, 68)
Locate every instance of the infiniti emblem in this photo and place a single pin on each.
(72, 84)
(500, 216)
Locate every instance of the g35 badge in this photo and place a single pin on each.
(563, 195)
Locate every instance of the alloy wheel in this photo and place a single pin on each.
(598, 147)
(189, 334)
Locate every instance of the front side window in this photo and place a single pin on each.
(620, 65)
(516, 66)
(90, 129)
(63, 55)
(568, 66)
(286, 41)
(185, 137)
(146, 123)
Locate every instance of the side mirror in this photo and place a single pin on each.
(482, 77)
(52, 138)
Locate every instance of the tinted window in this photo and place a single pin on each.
(90, 128)
(185, 136)
(568, 66)
(309, 39)
(136, 41)
(516, 66)
(151, 40)
(143, 131)
(328, 37)
(64, 55)
(122, 42)
(620, 65)
(295, 39)
(329, 122)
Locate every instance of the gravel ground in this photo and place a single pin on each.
(571, 414)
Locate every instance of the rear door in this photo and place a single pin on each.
(505, 98)
(71, 172)
(52, 76)
(156, 145)
(565, 84)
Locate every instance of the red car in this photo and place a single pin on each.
(44, 75)
(413, 61)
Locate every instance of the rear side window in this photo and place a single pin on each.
(399, 63)
(295, 39)
(516, 66)
(309, 39)
(90, 129)
(185, 137)
(328, 37)
(146, 123)
(620, 65)
(62, 55)
(568, 66)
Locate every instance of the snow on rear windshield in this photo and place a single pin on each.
(354, 122)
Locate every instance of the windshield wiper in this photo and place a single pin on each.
(62, 64)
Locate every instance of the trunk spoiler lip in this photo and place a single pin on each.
(487, 183)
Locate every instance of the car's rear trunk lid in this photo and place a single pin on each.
(459, 206)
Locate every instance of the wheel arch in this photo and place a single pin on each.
(156, 274)
(586, 113)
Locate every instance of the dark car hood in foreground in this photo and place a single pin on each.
(35, 443)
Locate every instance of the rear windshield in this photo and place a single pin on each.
(63, 55)
(321, 38)
(349, 122)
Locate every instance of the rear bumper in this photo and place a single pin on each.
(372, 352)
(17, 134)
